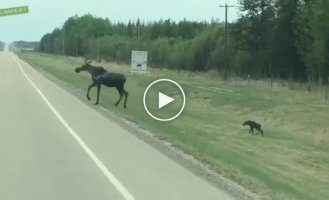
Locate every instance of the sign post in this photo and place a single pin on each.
(139, 61)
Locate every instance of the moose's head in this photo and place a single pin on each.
(83, 67)
(246, 123)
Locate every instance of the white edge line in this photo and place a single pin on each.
(124, 192)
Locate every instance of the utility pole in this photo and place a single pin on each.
(98, 35)
(48, 45)
(63, 44)
(138, 33)
(226, 32)
(77, 45)
(226, 23)
(97, 56)
(138, 24)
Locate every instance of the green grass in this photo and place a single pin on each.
(290, 162)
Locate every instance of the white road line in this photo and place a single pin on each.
(124, 192)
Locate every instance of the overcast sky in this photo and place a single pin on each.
(45, 15)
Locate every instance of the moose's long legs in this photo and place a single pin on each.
(89, 87)
(98, 91)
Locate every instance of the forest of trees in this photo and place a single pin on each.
(25, 44)
(2, 46)
(285, 39)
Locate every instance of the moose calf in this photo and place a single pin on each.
(253, 125)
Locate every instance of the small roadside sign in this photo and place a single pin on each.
(139, 61)
(14, 11)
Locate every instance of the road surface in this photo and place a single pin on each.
(54, 147)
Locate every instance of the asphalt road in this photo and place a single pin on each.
(54, 147)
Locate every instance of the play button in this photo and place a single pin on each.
(164, 100)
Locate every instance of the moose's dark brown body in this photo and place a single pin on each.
(109, 79)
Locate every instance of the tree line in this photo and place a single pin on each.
(2, 46)
(25, 44)
(270, 39)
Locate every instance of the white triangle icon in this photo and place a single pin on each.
(164, 100)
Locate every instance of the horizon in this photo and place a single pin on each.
(32, 26)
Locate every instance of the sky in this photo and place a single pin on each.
(45, 15)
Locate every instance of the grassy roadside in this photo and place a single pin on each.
(290, 162)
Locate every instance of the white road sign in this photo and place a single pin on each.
(139, 61)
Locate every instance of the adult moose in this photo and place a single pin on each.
(100, 77)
